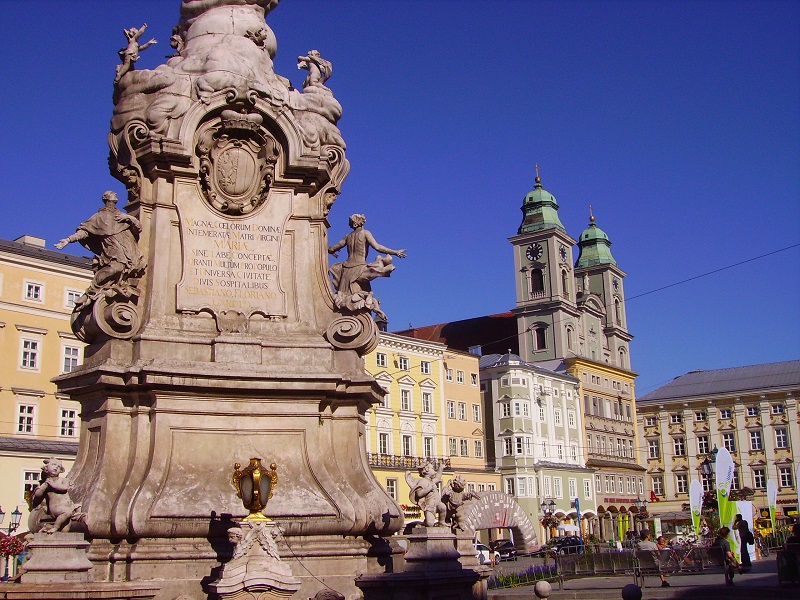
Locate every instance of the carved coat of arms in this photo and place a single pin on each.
(237, 162)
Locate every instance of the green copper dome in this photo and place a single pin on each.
(539, 210)
(594, 247)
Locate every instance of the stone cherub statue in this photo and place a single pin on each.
(111, 235)
(352, 277)
(51, 499)
(319, 69)
(425, 493)
(456, 499)
(130, 53)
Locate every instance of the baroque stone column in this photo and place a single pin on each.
(233, 347)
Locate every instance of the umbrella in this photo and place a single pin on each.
(567, 527)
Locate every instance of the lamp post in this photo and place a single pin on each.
(548, 507)
(707, 467)
(16, 516)
(641, 506)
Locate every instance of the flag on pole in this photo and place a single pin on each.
(772, 502)
(696, 504)
(727, 508)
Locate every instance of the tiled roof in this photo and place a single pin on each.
(494, 333)
(82, 262)
(489, 361)
(726, 381)
(36, 446)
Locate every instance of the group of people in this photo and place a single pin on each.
(746, 538)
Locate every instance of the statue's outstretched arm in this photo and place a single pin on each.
(81, 234)
(380, 248)
(337, 246)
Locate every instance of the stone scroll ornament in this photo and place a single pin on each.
(109, 307)
(356, 329)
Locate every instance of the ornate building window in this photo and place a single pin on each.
(781, 438)
(537, 283)
(681, 483)
(729, 442)
(658, 485)
(759, 479)
(785, 477)
(755, 440)
(653, 449)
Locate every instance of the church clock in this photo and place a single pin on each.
(534, 252)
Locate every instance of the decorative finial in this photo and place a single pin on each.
(591, 214)
(538, 179)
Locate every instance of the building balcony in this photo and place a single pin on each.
(391, 461)
(537, 294)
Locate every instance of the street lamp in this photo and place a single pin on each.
(16, 516)
(641, 506)
(707, 468)
(548, 509)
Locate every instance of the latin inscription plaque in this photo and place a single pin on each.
(232, 263)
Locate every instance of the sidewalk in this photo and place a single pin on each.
(761, 583)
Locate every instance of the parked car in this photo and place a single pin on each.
(486, 556)
(506, 549)
(571, 544)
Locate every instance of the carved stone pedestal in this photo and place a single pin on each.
(256, 571)
(432, 571)
(57, 558)
(138, 590)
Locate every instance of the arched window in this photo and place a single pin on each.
(569, 338)
(539, 338)
(565, 283)
(617, 311)
(537, 282)
(623, 363)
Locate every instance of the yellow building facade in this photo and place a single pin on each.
(38, 289)
(432, 410)
(612, 444)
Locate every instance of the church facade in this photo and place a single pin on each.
(570, 318)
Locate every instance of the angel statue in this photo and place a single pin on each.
(130, 53)
(425, 493)
(456, 498)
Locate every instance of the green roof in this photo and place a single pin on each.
(539, 211)
(594, 247)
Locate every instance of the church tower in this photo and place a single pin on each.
(546, 307)
(600, 297)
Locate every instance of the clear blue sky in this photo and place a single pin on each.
(678, 121)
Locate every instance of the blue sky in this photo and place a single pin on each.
(678, 121)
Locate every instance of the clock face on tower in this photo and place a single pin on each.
(562, 251)
(615, 283)
(534, 252)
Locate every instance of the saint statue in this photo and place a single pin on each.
(352, 277)
(112, 236)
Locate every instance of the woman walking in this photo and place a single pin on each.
(727, 554)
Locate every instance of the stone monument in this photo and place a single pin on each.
(214, 328)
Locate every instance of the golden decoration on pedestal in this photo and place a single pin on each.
(254, 485)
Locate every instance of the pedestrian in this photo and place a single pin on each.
(745, 538)
(731, 563)
(649, 544)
